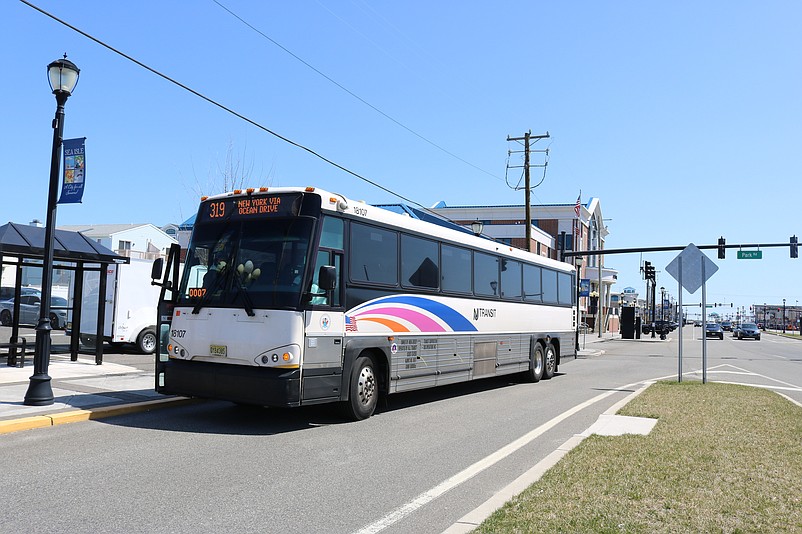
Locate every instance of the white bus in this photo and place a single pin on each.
(298, 296)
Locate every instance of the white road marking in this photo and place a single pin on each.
(472, 470)
(792, 387)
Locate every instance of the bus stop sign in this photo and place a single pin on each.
(691, 268)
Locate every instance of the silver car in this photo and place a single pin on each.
(29, 311)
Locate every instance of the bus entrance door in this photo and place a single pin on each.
(322, 355)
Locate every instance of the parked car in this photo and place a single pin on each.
(749, 330)
(7, 292)
(29, 311)
(714, 330)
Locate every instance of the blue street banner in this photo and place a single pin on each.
(72, 188)
(584, 287)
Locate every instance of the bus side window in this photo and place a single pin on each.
(319, 296)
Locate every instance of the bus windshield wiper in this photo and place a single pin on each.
(246, 300)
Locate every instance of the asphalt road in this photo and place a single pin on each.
(422, 462)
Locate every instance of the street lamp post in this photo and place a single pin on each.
(783, 316)
(662, 303)
(63, 75)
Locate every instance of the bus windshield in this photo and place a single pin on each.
(247, 263)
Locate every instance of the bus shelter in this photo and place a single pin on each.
(22, 246)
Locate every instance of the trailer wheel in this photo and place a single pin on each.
(536, 364)
(146, 341)
(363, 390)
(550, 364)
(88, 341)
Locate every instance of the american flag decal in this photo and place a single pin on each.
(350, 324)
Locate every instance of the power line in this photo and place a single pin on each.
(223, 107)
(339, 85)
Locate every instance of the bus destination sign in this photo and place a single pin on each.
(246, 207)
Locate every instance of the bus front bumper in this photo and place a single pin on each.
(259, 386)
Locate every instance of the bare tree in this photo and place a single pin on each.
(235, 172)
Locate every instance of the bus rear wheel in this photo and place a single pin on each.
(363, 390)
(536, 364)
(550, 364)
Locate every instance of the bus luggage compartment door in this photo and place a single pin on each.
(484, 358)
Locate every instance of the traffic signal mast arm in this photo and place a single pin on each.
(604, 252)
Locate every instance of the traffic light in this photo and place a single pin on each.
(721, 248)
(648, 270)
(794, 247)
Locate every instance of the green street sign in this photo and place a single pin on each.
(750, 254)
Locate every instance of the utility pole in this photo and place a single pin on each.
(527, 138)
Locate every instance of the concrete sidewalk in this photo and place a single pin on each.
(82, 389)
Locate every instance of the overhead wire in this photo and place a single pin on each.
(223, 107)
(239, 115)
(342, 87)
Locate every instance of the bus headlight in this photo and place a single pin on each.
(287, 356)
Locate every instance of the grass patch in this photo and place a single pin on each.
(722, 458)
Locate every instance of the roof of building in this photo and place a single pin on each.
(28, 242)
(97, 230)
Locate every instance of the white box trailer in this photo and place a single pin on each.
(131, 303)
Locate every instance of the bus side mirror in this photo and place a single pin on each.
(156, 270)
(327, 278)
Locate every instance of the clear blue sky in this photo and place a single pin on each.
(684, 118)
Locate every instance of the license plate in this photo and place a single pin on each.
(218, 350)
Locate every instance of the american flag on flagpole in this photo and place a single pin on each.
(578, 205)
(350, 324)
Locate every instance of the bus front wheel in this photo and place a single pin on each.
(550, 364)
(363, 390)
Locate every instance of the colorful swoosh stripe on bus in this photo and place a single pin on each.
(412, 314)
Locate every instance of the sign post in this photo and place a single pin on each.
(691, 269)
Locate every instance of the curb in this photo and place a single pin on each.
(74, 416)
